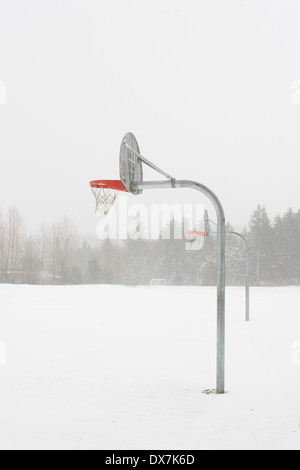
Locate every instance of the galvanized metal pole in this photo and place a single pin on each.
(221, 235)
(147, 162)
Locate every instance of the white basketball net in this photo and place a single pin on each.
(105, 198)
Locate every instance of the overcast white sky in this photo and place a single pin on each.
(205, 85)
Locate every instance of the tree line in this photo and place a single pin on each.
(59, 255)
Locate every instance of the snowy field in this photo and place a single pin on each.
(98, 367)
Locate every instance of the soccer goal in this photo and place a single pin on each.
(158, 282)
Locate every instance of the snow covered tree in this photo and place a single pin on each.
(15, 238)
(68, 245)
(54, 251)
(94, 272)
(31, 261)
(235, 258)
(261, 247)
(287, 247)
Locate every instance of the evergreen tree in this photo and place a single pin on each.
(235, 258)
(108, 260)
(290, 236)
(261, 247)
(94, 272)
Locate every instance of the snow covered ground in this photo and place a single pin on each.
(107, 367)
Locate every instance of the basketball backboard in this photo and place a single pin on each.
(131, 170)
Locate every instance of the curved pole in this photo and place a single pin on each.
(221, 262)
(237, 234)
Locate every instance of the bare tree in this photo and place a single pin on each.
(15, 230)
(54, 248)
(31, 260)
(69, 239)
(43, 243)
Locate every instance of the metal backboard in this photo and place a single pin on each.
(131, 170)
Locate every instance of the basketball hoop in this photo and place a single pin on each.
(106, 192)
(131, 176)
(197, 233)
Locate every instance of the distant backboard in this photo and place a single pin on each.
(206, 223)
(131, 170)
(196, 238)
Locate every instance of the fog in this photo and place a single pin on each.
(209, 88)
